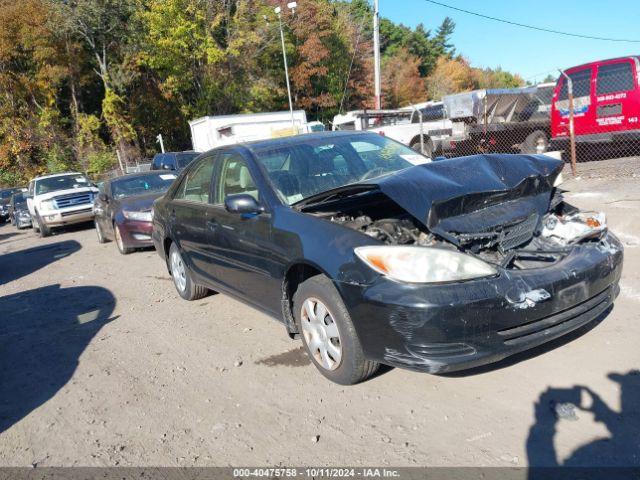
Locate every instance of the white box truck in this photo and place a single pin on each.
(215, 131)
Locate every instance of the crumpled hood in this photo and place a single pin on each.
(474, 194)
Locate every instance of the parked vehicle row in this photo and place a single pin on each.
(19, 211)
(5, 202)
(367, 251)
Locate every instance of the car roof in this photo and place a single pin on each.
(597, 62)
(174, 153)
(142, 174)
(52, 175)
(298, 139)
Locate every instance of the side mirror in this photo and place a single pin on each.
(242, 203)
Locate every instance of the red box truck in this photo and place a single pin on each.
(606, 103)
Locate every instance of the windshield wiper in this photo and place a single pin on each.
(333, 194)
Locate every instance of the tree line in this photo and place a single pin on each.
(85, 84)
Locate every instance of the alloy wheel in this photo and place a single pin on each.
(178, 271)
(99, 232)
(321, 333)
(119, 241)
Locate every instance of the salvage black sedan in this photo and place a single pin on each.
(374, 255)
(123, 208)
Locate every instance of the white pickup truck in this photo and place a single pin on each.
(426, 121)
(60, 199)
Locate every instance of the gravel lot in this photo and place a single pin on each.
(102, 364)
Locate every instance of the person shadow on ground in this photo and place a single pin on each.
(620, 449)
(43, 333)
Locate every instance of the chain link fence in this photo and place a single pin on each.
(592, 112)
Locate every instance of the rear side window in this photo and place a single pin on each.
(155, 164)
(195, 187)
(581, 84)
(617, 77)
(429, 114)
(235, 178)
(346, 126)
(169, 162)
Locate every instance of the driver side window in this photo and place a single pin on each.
(195, 187)
(234, 178)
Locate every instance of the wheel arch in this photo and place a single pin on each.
(296, 273)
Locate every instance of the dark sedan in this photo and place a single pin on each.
(19, 211)
(372, 254)
(123, 208)
(5, 198)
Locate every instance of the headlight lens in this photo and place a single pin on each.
(139, 216)
(559, 180)
(423, 264)
(47, 205)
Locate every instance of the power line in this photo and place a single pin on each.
(532, 27)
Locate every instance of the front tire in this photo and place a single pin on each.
(182, 279)
(328, 333)
(99, 233)
(42, 229)
(122, 248)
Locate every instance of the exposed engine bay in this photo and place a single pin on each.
(530, 241)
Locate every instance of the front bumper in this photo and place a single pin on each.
(22, 221)
(443, 328)
(136, 234)
(67, 216)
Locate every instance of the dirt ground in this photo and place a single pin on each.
(102, 364)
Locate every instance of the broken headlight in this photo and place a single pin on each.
(423, 264)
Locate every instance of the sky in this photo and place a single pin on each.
(530, 53)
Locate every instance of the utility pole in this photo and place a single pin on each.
(572, 130)
(278, 10)
(376, 54)
(159, 140)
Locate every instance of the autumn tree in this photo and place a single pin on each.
(496, 78)
(401, 80)
(451, 75)
(31, 73)
(103, 27)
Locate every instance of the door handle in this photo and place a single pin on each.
(212, 225)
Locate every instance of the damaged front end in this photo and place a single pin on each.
(557, 268)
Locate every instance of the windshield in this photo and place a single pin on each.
(141, 185)
(19, 199)
(184, 159)
(6, 194)
(52, 184)
(301, 170)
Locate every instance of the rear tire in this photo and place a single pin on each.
(347, 366)
(536, 142)
(182, 278)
